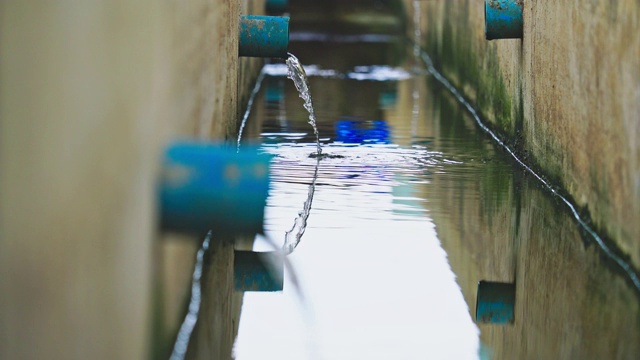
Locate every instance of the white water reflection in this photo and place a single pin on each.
(370, 73)
(370, 262)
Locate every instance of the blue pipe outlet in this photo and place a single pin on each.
(495, 302)
(503, 19)
(258, 271)
(264, 36)
(277, 6)
(210, 187)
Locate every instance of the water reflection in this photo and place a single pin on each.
(378, 281)
(362, 132)
(500, 225)
(417, 195)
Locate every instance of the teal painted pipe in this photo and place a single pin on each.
(277, 6)
(503, 19)
(207, 186)
(258, 271)
(495, 302)
(264, 36)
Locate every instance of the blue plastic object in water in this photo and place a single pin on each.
(503, 19)
(264, 36)
(495, 302)
(206, 187)
(359, 132)
(258, 271)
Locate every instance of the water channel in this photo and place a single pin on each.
(412, 207)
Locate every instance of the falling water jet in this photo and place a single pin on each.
(184, 334)
(293, 236)
(245, 117)
(297, 74)
(293, 275)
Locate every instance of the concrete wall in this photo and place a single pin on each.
(498, 225)
(567, 96)
(90, 92)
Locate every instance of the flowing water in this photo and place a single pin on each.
(186, 329)
(412, 205)
(293, 236)
(296, 73)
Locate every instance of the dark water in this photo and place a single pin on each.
(411, 209)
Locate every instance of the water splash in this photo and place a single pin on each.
(296, 72)
(293, 236)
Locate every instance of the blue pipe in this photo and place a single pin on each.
(206, 187)
(264, 36)
(258, 271)
(277, 6)
(503, 19)
(495, 302)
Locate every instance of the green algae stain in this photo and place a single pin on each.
(478, 77)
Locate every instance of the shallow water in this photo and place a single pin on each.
(412, 208)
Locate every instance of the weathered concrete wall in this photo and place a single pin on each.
(567, 95)
(90, 92)
(248, 67)
(498, 225)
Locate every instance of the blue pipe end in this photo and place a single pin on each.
(206, 187)
(264, 36)
(277, 6)
(495, 302)
(258, 271)
(503, 19)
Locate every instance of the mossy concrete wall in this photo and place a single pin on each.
(566, 96)
(90, 93)
(499, 225)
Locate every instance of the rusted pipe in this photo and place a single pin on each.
(264, 36)
(503, 19)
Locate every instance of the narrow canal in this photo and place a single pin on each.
(411, 209)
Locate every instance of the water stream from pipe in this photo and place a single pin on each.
(245, 117)
(294, 235)
(297, 74)
(184, 334)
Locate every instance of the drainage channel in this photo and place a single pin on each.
(419, 227)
